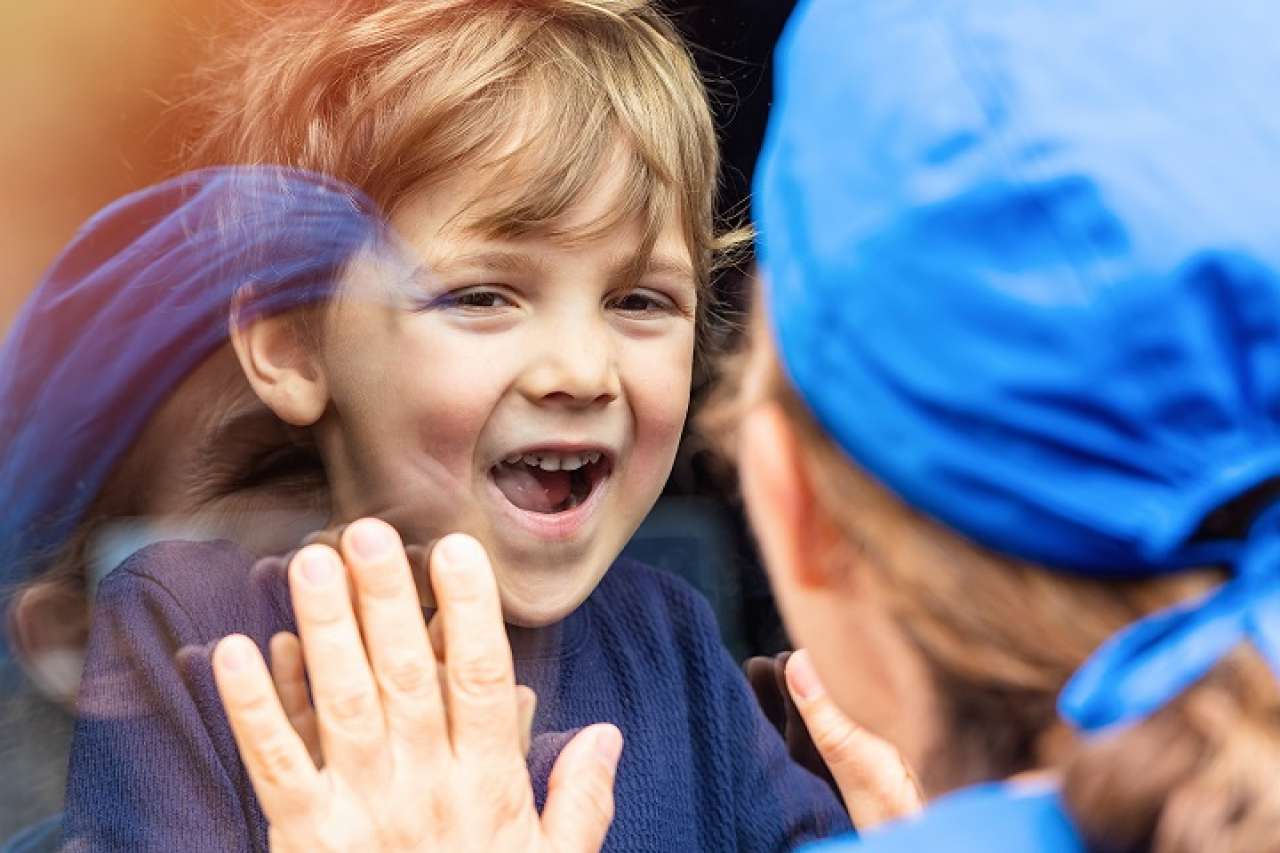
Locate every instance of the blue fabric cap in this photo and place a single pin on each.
(140, 297)
(1022, 265)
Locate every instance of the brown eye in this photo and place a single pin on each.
(642, 302)
(482, 299)
(473, 299)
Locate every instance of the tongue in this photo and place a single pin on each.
(533, 489)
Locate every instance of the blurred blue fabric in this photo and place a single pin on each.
(138, 299)
(1022, 264)
(983, 819)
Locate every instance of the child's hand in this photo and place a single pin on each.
(407, 765)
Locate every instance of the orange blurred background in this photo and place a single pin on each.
(90, 93)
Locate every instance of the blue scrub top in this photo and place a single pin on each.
(1003, 817)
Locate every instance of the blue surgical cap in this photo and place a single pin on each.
(134, 304)
(1022, 264)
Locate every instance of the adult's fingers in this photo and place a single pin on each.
(289, 673)
(483, 715)
(346, 699)
(395, 637)
(579, 805)
(284, 778)
(874, 779)
(526, 698)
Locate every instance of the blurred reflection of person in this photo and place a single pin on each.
(125, 418)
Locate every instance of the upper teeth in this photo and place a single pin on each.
(555, 461)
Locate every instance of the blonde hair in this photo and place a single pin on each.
(394, 96)
(1002, 636)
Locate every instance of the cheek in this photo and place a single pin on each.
(416, 379)
(657, 382)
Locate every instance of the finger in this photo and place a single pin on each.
(348, 707)
(395, 634)
(330, 536)
(483, 717)
(579, 805)
(290, 676)
(281, 771)
(527, 701)
(760, 672)
(873, 778)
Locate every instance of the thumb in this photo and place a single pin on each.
(579, 805)
(873, 778)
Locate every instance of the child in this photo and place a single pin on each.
(551, 167)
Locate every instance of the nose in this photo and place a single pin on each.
(576, 367)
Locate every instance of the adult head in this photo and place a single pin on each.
(1017, 390)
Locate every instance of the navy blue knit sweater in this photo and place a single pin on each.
(154, 766)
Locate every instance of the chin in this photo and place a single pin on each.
(537, 605)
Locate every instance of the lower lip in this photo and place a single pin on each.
(557, 527)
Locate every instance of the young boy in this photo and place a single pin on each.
(551, 167)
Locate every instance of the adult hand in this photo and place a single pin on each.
(407, 766)
(288, 668)
(872, 777)
(768, 680)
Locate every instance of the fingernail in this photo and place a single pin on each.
(371, 539)
(318, 566)
(802, 677)
(233, 653)
(458, 550)
(609, 745)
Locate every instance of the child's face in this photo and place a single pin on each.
(511, 358)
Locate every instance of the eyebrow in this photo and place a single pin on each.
(665, 265)
(499, 260)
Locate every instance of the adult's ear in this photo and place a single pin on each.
(795, 534)
(48, 626)
(282, 367)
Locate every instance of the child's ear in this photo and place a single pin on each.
(283, 367)
(793, 530)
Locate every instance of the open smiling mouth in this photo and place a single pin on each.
(549, 483)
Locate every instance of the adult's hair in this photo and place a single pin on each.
(1001, 637)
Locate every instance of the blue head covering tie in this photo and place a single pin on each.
(1023, 268)
(1137, 671)
(136, 302)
